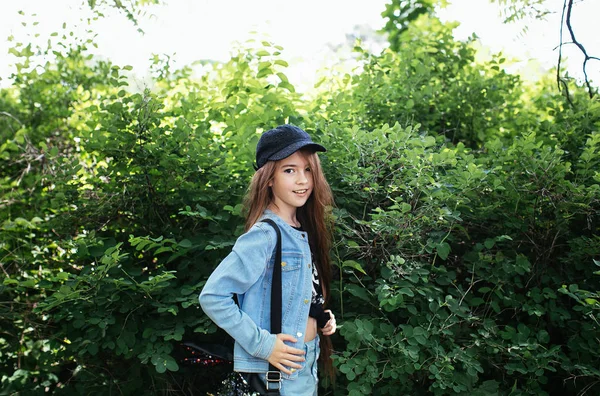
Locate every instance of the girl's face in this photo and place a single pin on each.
(292, 182)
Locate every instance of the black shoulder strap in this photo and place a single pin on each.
(276, 286)
(274, 373)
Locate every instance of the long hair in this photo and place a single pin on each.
(316, 219)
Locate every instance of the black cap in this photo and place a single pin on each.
(281, 142)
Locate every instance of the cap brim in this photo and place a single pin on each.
(292, 148)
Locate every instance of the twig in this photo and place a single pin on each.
(4, 113)
(559, 80)
(582, 48)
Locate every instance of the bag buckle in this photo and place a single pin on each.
(274, 376)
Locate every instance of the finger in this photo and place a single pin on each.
(283, 368)
(291, 364)
(286, 337)
(294, 351)
(329, 329)
(295, 358)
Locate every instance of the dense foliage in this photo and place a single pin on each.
(467, 213)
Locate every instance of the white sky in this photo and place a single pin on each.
(190, 30)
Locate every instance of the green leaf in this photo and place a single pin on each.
(287, 86)
(163, 249)
(148, 331)
(443, 249)
(264, 72)
(357, 291)
(264, 65)
(78, 323)
(187, 290)
(92, 348)
(543, 336)
(353, 264)
(171, 364)
(161, 366)
(282, 77)
(474, 302)
(495, 306)
(186, 243)
(28, 283)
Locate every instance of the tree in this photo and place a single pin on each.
(133, 9)
(517, 10)
(400, 13)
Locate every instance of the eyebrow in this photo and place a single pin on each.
(289, 165)
(293, 166)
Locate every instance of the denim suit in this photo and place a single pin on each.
(248, 271)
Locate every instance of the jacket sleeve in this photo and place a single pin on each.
(243, 267)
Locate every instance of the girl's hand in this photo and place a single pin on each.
(330, 326)
(284, 356)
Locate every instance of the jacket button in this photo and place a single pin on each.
(308, 265)
(283, 263)
(298, 334)
(305, 301)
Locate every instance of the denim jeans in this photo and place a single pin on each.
(306, 383)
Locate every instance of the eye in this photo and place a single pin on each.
(288, 170)
(308, 170)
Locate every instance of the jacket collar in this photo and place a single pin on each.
(283, 225)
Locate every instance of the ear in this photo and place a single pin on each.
(270, 184)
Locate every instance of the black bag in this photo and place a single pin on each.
(239, 384)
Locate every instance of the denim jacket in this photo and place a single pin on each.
(248, 271)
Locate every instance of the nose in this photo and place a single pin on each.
(302, 179)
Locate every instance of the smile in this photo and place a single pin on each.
(301, 191)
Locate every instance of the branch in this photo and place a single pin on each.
(4, 113)
(560, 82)
(132, 9)
(581, 47)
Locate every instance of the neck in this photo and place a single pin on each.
(288, 217)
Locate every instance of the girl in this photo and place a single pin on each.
(288, 187)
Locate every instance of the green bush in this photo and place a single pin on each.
(466, 239)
